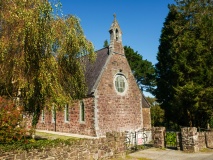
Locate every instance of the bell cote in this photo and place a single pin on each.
(116, 37)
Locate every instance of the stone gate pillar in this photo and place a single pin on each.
(158, 134)
(189, 139)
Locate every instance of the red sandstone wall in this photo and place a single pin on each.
(118, 48)
(116, 112)
(74, 125)
(146, 118)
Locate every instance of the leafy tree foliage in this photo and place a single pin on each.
(39, 55)
(143, 70)
(157, 113)
(185, 59)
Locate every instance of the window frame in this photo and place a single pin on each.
(66, 113)
(53, 114)
(42, 116)
(82, 111)
(120, 86)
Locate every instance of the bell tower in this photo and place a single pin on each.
(116, 38)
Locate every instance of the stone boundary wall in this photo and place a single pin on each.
(112, 146)
(209, 139)
(202, 139)
(188, 140)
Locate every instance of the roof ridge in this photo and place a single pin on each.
(102, 49)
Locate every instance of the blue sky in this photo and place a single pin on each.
(141, 22)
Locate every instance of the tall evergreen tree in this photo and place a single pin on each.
(184, 69)
(143, 70)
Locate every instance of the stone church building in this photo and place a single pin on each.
(114, 101)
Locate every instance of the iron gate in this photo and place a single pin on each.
(134, 139)
(171, 139)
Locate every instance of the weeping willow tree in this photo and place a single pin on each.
(39, 53)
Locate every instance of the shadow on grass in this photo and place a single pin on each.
(39, 142)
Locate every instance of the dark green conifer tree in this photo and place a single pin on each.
(185, 59)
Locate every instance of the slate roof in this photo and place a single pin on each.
(93, 70)
(145, 103)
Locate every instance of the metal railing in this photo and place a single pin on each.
(136, 138)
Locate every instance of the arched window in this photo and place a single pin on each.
(120, 83)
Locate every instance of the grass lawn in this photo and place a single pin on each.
(41, 140)
(53, 136)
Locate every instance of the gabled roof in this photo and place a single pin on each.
(93, 70)
(145, 103)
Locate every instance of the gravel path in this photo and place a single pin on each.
(168, 154)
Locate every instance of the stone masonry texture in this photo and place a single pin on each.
(118, 112)
(74, 125)
(159, 137)
(112, 146)
(188, 140)
(146, 118)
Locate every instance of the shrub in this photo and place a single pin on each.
(11, 126)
